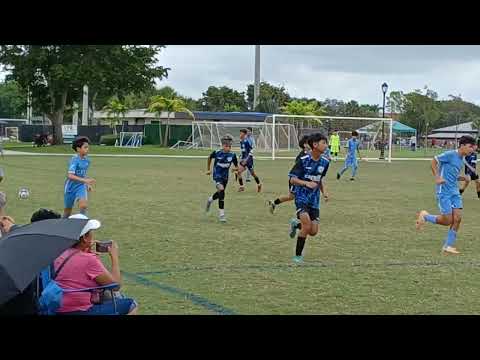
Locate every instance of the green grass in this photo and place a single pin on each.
(367, 258)
(156, 150)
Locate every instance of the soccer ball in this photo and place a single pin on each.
(23, 193)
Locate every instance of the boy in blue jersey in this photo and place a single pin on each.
(470, 162)
(303, 144)
(252, 143)
(77, 184)
(351, 159)
(223, 160)
(306, 176)
(446, 168)
(246, 161)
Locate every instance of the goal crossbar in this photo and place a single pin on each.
(275, 117)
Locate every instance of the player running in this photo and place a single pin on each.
(470, 162)
(446, 168)
(77, 184)
(246, 161)
(306, 176)
(224, 158)
(351, 159)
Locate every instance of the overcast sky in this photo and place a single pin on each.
(321, 71)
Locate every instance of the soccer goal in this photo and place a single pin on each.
(208, 135)
(370, 130)
(130, 139)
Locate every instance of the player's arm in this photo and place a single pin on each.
(209, 162)
(438, 179)
(295, 174)
(87, 181)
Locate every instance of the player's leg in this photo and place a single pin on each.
(82, 197)
(215, 195)
(247, 176)
(457, 205)
(221, 200)
(305, 229)
(354, 169)
(346, 165)
(315, 217)
(257, 180)
(477, 184)
(445, 219)
(241, 169)
(281, 199)
(464, 186)
(68, 202)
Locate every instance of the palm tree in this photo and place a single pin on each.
(476, 124)
(159, 104)
(115, 109)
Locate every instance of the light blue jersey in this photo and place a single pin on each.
(78, 166)
(352, 146)
(450, 164)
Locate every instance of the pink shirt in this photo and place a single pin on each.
(79, 272)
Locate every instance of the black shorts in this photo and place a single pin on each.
(313, 213)
(470, 173)
(249, 163)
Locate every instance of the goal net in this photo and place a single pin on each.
(208, 134)
(129, 139)
(370, 130)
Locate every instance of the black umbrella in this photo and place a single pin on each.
(27, 250)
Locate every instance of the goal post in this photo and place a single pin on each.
(208, 134)
(130, 139)
(369, 129)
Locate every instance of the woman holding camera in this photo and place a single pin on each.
(81, 268)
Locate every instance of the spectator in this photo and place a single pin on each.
(85, 270)
(26, 302)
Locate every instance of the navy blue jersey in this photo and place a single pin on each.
(222, 163)
(302, 153)
(246, 148)
(308, 169)
(471, 161)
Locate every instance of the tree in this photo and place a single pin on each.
(13, 101)
(271, 98)
(395, 102)
(115, 109)
(55, 74)
(301, 107)
(221, 98)
(160, 104)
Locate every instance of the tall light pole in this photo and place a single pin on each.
(256, 87)
(382, 145)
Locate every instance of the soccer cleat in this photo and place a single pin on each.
(293, 227)
(271, 206)
(259, 187)
(209, 204)
(420, 219)
(241, 188)
(222, 218)
(248, 180)
(298, 259)
(450, 250)
(352, 179)
(338, 176)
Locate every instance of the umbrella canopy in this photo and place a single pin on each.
(27, 250)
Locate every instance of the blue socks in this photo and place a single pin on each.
(451, 238)
(431, 218)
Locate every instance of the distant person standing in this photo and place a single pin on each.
(252, 143)
(334, 145)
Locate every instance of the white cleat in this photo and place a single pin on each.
(421, 219)
(450, 250)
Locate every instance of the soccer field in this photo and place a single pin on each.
(366, 259)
